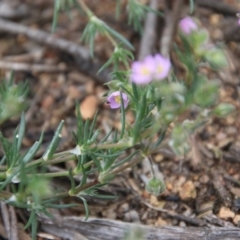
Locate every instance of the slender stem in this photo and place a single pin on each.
(51, 175)
(128, 165)
(112, 145)
(59, 158)
(85, 8)
(86, 186)
(111, 39)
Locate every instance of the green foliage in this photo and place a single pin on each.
(216, 58)
(61, 5)
(137, 12)
(95, 26)
(223, 109)
(12, 98)
(155, 186)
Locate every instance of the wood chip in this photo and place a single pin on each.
(161, 223)
(226, 213)
(236, 219)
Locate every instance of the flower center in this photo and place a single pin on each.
(144, 71)
(117, 99)
(159, 68)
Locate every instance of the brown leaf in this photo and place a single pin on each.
(89, 106)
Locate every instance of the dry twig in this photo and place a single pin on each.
(149, 34)
(81, 54)
(218, 6)
(31, 67)
(171, 18)
(107, 229)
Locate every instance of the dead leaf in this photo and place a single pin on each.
(89, 106)
(226, 213)
(187, 191)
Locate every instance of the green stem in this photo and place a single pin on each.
(84, 187)
(112, 145)
(50, 175)
(85, 8)
(128, 165)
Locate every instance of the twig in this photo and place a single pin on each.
(218, 6)
(171, 18)
(5, 217)
(231, 179)
(149, 34)
(180, 217)
(81, 54)
(14, 228)
(31, 67)
(26, 57)
(111, 229)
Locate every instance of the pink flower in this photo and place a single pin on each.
(114, 100)
(239, 21)
(151, 68)
(142, 71)
(162, 68)
(187, 25)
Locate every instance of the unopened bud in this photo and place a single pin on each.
(155, 186)
(216, 58)
(223, 109)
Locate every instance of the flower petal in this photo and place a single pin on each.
(163, 66)
(187, 25)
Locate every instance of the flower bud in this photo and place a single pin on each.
(179, 141)
(206, 93)
(39, 188)
(223, 109)
(216, 58)
(155, 186)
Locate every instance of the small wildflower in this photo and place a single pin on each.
(187, 25)
(142, 71)
(114, 99)
(163, 66)
(151, 68)
(238, 16)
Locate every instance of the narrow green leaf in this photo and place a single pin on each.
(124, 160)
(33, 150)
(86, 208)
(97, 163)
(106, 137)
(54, 143)
(47, 213)
(108, 155)
(34, 228)
(55, 14)
(119, 37)
(21, 131)
(31, 219)
(105, 65)
(93, 123)
(86, 130)
(94, 136)
(79, 125)
(160, 139)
